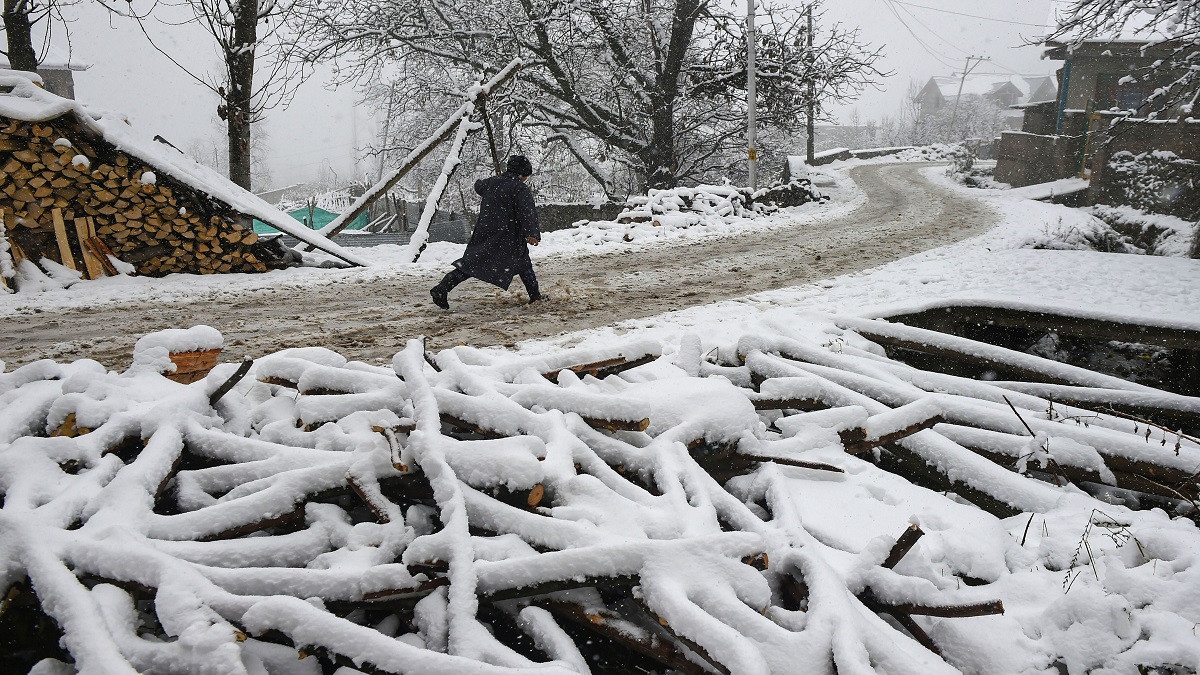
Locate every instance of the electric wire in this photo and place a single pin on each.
(973, 16)
(942, 58)
(945, 41)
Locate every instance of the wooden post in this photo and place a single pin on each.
(60, 234)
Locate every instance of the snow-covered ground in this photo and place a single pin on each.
(389, 261)
(995, 269)
(1087, 585)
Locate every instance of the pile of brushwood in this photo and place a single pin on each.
(786, 500)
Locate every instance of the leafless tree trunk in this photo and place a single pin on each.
(239, 99)
(19, 31)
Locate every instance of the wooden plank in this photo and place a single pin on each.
(12, 252)
(92, 264)
(102, 253)
(60, 234)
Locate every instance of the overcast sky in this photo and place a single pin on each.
(322, 128)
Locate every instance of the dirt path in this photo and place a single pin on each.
(905, 214)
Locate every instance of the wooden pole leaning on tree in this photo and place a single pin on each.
(443, 133)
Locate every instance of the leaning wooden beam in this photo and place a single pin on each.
(420, 236)
(418, 153)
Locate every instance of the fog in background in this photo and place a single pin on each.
(325, 132)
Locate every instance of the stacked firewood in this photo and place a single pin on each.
(74, 198)
(614, 509)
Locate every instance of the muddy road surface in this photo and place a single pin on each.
(904, 214)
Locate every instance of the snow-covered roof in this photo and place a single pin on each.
(52, 58)
(29, 102)
(985, 84)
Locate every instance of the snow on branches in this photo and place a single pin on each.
(657, 86)
(744, 507)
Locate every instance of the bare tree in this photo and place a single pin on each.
(657, 86)
(259, 71)
(20, 19)
(1171, 28)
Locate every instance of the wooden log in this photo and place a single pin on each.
(192, 366)
(290, 519)
(60, 235)
(1027, 370)
(623, 583)
(897, 459)
(988, 608)
(603, 368)
(371, 496)
(856, 441)
(902, 546)
(608, 625)
(803, 404)
(617, 425)
(679, 637)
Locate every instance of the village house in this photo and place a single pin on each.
(1005, 91)
(1100, 110)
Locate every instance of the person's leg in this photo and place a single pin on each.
(531, 284)
(440, 292)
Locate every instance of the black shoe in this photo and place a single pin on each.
(439, 297)
(535, 298)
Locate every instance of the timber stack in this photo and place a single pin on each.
(69, 195)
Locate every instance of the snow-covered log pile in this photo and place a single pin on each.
(718, 208)
(78, 201)
(744, 507)
(81, 195)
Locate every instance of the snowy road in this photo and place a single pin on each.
(904, 214)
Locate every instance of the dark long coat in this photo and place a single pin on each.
(497, 250)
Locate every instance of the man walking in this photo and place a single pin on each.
(498, 247)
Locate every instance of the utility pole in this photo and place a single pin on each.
(812, 95)
(966, 71)
(387, 129)
(751, 98)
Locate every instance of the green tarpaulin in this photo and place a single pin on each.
(321, 218)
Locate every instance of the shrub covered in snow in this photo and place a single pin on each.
(1121, 229)
(937, 152)
(798, 192)
(1154, 182)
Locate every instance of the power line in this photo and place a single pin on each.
(944, 40)
(973, 16)
(942, 58)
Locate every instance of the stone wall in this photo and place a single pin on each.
(1028, 159)
(562, 216)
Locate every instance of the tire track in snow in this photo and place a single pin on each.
(904, 214)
